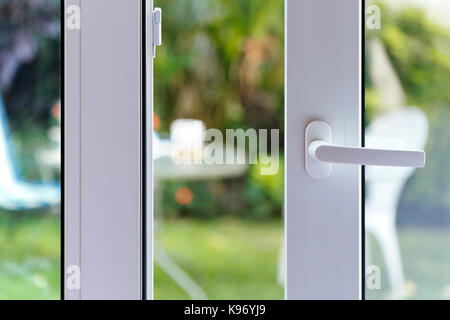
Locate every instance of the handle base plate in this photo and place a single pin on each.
(317, 130)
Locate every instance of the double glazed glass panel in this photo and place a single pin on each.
(407, 212)
(218, 229)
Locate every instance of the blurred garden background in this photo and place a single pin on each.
(408, 64)
(29, 149)
(222, 62)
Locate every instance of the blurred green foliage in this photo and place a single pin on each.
(223, 62)
(253, 196)
(419, 50)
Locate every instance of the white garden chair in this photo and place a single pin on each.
(405, 128)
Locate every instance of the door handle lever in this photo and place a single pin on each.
(325, 152)
(320, 153)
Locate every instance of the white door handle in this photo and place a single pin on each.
(320, 153)
(323, 151)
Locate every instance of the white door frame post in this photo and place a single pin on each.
(323, 82)
(104, 149)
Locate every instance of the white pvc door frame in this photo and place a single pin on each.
(106, 190)
(323, 82)
(107, 174)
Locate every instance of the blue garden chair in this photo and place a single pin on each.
(15, 193)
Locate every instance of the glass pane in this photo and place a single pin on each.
(30, 139)
(407, 212)
(218, 224)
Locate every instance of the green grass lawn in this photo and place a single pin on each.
(426, 263)
(229, 259)
(29, 256)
